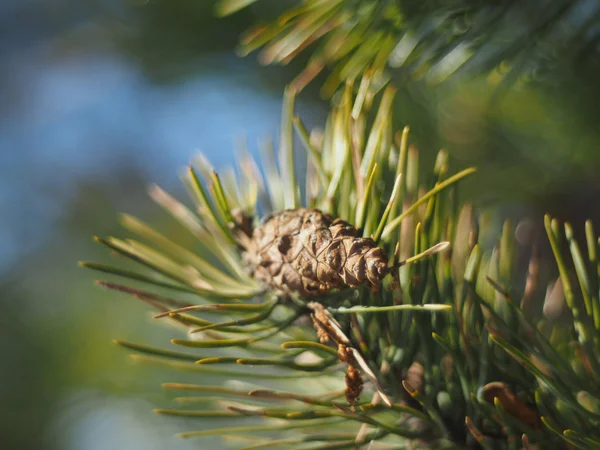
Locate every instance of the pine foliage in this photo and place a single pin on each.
(448, 353)
(449, 345)
(508, 39)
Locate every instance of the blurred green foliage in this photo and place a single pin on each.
(61, 376)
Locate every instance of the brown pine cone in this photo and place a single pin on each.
(308, 252)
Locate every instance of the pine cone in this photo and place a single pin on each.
(308, 252)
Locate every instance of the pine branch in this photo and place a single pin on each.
(439, 348)
(507, 40)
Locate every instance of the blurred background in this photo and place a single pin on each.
(102, 97)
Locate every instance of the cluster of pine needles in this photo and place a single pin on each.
(511, 41)
(450, 351)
